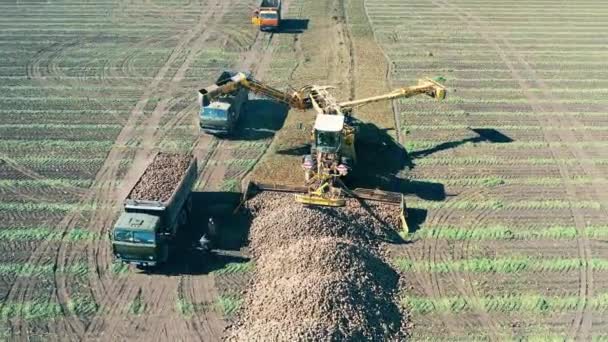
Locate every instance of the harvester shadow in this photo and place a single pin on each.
(382, 162)
(231, 236)
(261, 120)
(483, 135)
(293, 26)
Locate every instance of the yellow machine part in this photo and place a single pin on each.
(314, 199)
(256, 21)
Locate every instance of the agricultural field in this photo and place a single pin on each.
(514, 245)
(503, 179)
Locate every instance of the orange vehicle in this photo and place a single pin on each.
(268, 15)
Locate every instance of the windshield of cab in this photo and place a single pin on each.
(328, 139)
(268, 15)
(215, 113)
(134, 236)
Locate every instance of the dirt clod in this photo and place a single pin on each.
(161, 177)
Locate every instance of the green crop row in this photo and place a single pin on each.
(30, 270)
(509, 233)
(535, 336)
(501, 265)
(235, 267)
(228, 305)
(43, 233)
(501, 127)
(465, 100)
(489, 160)
(47, 182)
(496, 181)
(524, 303)
(498, 204)
(46, 206)
(55, 144)
(44, 309)
(458, 113)
(414, 146)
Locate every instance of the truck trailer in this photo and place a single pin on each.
(157, 207)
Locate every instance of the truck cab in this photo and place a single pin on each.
(220, 116)
(269, 20)
(268, 15)
(137, 239)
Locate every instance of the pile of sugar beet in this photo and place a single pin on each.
(319, 274)
(161, 177)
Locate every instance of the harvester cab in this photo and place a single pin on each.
(328, 133)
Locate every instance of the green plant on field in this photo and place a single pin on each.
(80, 269)
(235, 267)
(35, 183)
(45, 206)
(83, 306)
(77, 234)
(43, 233)
(230, 185)
(228, 305)
(512, 264)
(119, 268)
(137, 307)
(25, 270)
(508, 233)
(184, 307)
(522, 303)
(38, 309)
(499, 204)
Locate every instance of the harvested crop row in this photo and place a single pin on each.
(317, 274)
(161, 177)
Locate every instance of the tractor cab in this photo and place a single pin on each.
(328, 133)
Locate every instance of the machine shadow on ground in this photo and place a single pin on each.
(381, 162)
(261, 120)
(483, 135)
(231, 235)
(293, 26)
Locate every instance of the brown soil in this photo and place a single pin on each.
(161, 177)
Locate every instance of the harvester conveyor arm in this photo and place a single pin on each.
(425, 86)
(295, 99)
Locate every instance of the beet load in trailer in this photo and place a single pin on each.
(156, 208)
(268, 15)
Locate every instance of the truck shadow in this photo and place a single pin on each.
(227, 244)
(293, 26)
(261, 120)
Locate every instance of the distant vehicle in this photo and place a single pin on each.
(219, 116)
(147, 228)
(268, 15)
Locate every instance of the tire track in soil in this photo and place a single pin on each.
(432, 283)
(20, 289)
(202, 289)
(151, 288)
(431, 251)
(461, 280)
(582, 323)
(257, 60)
